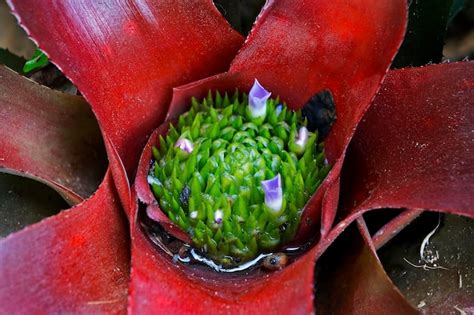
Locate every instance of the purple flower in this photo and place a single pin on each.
(185, 145)
(302, 137)
(258, 97)
(273, 194)
(279, 109)
(298, 141)
(218, 216)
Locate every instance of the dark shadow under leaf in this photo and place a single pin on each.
(350, 280)
(11, 60)
(25, 201)
(377, 219)
(424, 40)
(53, 78)
(240, 14)
(434, 270)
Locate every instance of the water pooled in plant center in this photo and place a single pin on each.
(235, 172)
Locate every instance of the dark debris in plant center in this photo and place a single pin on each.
(320, 112)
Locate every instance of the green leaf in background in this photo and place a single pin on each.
(427, 23)
(11, 60)
(38, 61)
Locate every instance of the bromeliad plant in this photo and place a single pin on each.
(79, 260)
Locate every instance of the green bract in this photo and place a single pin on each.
(213, 191)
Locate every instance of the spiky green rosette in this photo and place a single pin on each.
(208, 174)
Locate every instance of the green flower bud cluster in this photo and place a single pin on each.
(214, 191)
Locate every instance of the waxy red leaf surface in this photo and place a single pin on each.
(413, 149)
(49, 136)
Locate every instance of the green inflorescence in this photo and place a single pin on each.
(231, 157)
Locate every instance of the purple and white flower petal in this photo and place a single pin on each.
(218, 216)
(185, 145)
(298, 141)
(258, 97)
(278, 109)
(273, 194)
(302, 137)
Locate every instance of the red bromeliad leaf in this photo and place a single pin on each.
(77, 261)
(351, 280)
(126, 56)
(420, 119)
(412, 149)
(49, 136)
(296, 49)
